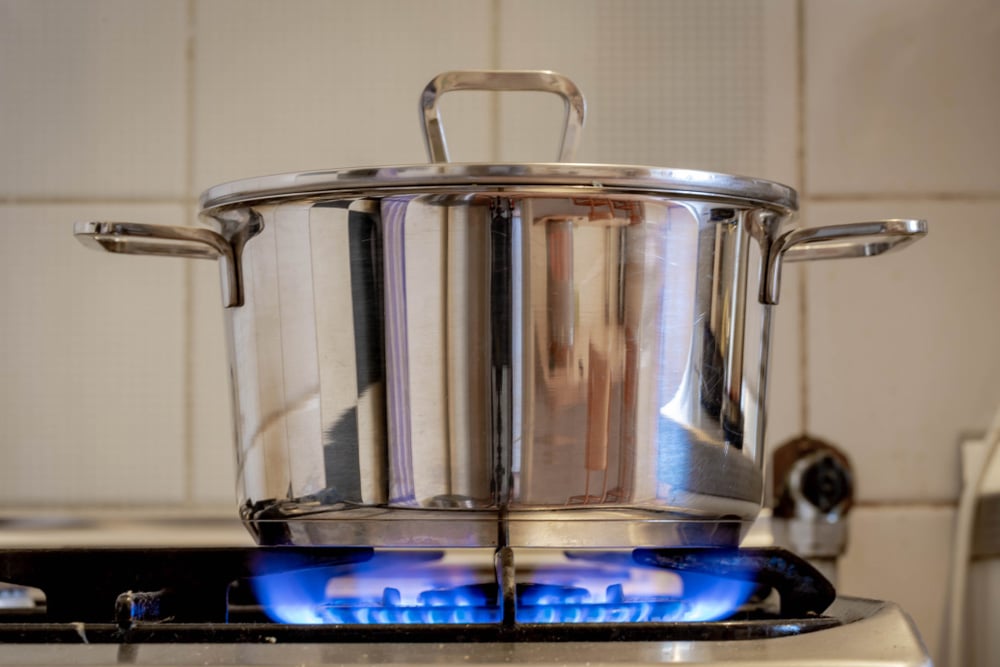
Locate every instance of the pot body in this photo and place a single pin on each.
(486, 366)
(562, 355)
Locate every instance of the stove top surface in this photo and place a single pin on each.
(872, 634)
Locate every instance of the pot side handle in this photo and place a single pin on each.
(860, 239)
(542, 81)
(133, 238)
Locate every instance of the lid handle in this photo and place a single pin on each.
(527, 80)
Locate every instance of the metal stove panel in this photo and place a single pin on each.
(874, 634)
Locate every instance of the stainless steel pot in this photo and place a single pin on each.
(485, 354)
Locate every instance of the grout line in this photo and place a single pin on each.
(494, 112)
(905, 196)
(142, 511)
(800, 97)
(801, 176)
(803, 305)
(189, 110)
(921, 504)
(189, 369)
(49, 200)
(189, 280)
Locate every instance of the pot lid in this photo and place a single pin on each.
(588, 178)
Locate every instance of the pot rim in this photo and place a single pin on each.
(596, 178)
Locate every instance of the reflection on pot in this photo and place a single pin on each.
(512, 355)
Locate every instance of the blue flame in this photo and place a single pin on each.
(714, 598)
(294, 596)
(390, 590)
(640, 600)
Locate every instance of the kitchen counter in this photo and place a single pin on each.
(201, 527)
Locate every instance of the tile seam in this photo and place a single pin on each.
(51, 200)
(801, 176)
(189, 309)
(139, 509)
(848, 197)
(905, 504)
(76, 508)
(495, 58)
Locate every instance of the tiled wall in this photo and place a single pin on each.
(113, 380)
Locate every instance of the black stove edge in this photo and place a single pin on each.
(109, 633)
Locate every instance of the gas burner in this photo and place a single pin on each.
(546, 587)
(292, 594)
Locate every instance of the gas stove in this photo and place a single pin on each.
(295, 605)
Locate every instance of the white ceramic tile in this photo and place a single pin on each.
(983, 613)
(697, 84)
(902, 96)
(93, 98)
(780, 82)
(91, 361)
(304, 85)
(901, 554)
(903, 355)
(213, 471)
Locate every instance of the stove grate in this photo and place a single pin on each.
(203, 595)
